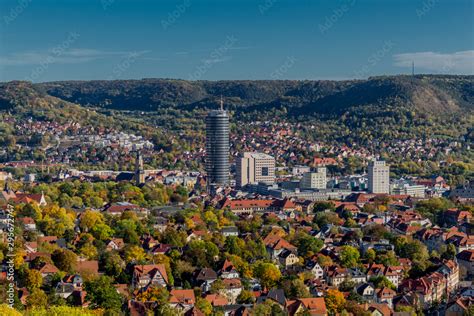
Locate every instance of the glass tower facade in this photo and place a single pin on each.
(217, 148)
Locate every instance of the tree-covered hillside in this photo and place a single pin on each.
(426, 93)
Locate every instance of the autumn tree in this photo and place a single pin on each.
(334, 301)
(37, 298)
(135, 254)
(34, 279)
(267, 273)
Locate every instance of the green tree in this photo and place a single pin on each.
(204, 306)
(102, 294)
(64, 260)
(382, 281)
(245, 297)
(299, 289)
(323, 206)
(112, 263)
(37, 298)
(349, 257)
(370, 255)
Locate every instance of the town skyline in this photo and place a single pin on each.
(237, 157)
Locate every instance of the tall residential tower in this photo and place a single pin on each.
(217, 147)
(379, 177)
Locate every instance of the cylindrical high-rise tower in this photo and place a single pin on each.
(217, 147)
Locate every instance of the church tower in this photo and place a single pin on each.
(139, 171)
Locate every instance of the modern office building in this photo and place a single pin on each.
(314, 180)
(379, 177)
(297, 170)
(217, 147)
(253, 168)
(416, 191)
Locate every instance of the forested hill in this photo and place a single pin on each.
(422, 93)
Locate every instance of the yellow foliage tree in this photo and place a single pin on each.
(335, 301)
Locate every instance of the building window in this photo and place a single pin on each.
(265, 171)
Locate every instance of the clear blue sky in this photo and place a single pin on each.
(44, 40)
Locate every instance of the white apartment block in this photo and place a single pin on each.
(253, 168)
(314, 180)
(379, 177)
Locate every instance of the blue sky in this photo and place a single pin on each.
(44, 40)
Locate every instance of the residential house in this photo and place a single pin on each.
(149, 275)
(228, 270)
(459, 307)
(30, 198)
(385, 295)
(357, 276)
(182, 300)
(450, 269)
(456, 217)
(230, 231)
(336, 275)
(216, 300)
(115, 244)
(204, 278)
(48, 270)
(466, 263)
(232, 289)
(366, 290)
(28, 223)
(277, 296)
(288, 258)
(429, 289)
(68, 285)
(314, 267)
(312, 306)
(276, 244)
(88, 267)
(117, 209)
